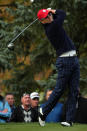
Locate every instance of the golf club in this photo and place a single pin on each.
(11, 44)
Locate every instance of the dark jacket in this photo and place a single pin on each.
(57, 35)
(81, 113)
(20, 115)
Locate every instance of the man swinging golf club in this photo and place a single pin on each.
(67, 64)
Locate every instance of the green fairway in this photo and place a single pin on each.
(36, 127)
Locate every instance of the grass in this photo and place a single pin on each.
(36, 127)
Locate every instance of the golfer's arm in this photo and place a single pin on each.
(57, 12)
(53, 11)
(60, 15)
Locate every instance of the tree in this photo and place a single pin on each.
(33, 55)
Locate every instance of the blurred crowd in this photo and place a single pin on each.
(27, 111)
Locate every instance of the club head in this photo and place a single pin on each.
(11, 46)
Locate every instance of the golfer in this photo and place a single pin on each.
(67, 64)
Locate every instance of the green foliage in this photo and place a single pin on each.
(42, 55)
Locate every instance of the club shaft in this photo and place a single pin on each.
(23, 30)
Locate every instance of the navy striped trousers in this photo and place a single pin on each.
(68, 74)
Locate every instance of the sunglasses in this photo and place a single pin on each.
(36, 98)
(43, 18)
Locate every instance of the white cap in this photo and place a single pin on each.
(34, 95)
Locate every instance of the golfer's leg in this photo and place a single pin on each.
(73, 94)
(62, 80)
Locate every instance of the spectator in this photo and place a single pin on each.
(10, 99)
(56, 114)
(48, 93)
(24, 112)
(5, 111)
(81, 109)
(34, 99)
(81, 115)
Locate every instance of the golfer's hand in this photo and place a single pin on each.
(51, 10)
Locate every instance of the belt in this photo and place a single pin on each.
(69, 54)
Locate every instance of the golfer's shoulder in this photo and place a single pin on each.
(60, 11)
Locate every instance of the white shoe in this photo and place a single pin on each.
(41, 122)
(66, 123)
(41, 118)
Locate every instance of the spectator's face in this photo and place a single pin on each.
(48, 94)
(25, 100)
(10, 99)
(34, 102)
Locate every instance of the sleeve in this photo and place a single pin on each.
(59, 17)
(14, 116)
(7, 114)
(17, 115)
(35, 114)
